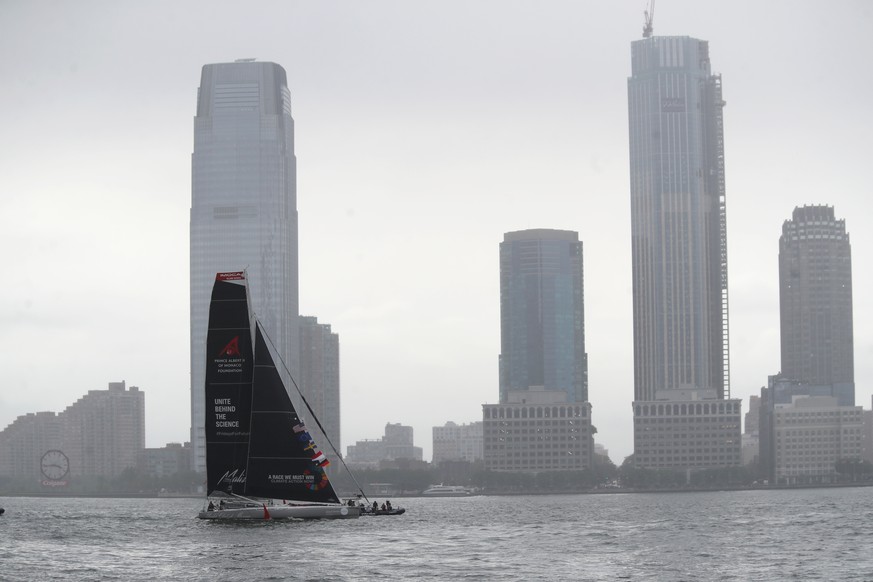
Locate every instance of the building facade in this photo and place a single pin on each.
(458, 442)
(243, 209)
(751, 434)
(815, 304)
(810, 435)
(26, 440)
(678, 219)
(395, 444)
(165, 461)
(867, 441)
(542, 322)
(537, 431)
(319, 374)
(104, 431)
(687, 434)
(99, 435)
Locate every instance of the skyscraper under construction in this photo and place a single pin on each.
(683, 415)
(679, 243)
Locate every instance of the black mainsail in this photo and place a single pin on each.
(256, 444)
(229, 367)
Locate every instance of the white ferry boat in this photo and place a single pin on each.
(447, 491)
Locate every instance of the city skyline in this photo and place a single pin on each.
(424, 133)
(243, 210)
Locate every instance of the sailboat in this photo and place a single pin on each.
(261, 460)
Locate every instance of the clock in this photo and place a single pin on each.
(54, 465)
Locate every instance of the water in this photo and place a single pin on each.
(811, 534)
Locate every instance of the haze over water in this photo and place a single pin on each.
(811, 534)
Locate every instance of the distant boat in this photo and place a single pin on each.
(385, 509)
(2, 511)
(447, 491)
(261, 461)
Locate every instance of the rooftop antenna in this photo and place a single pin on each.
(650, 14)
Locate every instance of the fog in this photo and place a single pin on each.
(424, 131)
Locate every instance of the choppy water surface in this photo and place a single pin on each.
(812, 534)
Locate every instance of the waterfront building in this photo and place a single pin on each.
(810, 435)
(815, 304)
(99, 435)
(395, 444)
(542, 323)
(243, 209)
(678, 219)
(166, 461)
(25, 441)
(104, 431)
(537, 430)
(601, 451)
(687, 433)
(867, 440)
(751, 446)
(751, 435)
(752, 420)
(543, 421)
(679, 256)
(319, 375)
(458, 442)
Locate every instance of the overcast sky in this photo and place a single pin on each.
(424, 131)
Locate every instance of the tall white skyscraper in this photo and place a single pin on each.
(243, 209)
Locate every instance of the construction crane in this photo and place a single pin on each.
(650, 14)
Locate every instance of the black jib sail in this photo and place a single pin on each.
(229, 366)
(284, 462)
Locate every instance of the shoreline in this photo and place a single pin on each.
(603, 491)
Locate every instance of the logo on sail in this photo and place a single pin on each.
(235, 476)
(230, 359)
(320, 480)
(231, 349)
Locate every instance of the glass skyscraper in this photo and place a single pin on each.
(678, 228)
(542, 324)
(243, 209)
(815, 304)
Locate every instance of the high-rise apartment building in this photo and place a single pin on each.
(104, 431)
(815, 304)
(542, 323)
(243, 209)
(396, 444)
(457, 442)
(99, 435)
(319, 374)
(543, 363)
(678, 228)
(26, 440)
